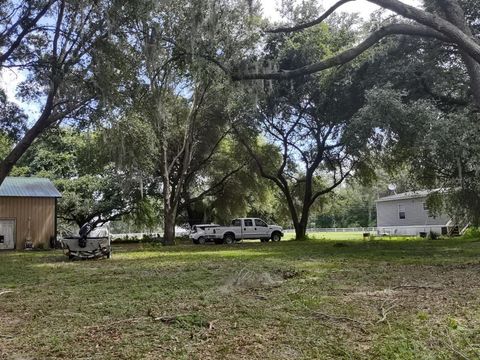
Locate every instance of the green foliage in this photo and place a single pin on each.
(312, 140)
(100, 198)
(56, 154)
(424, 121)
(130, 142)
(350, 206)
(93, 190)
(5, 145)
(472, 233)
(12, 119)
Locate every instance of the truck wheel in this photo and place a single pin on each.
(201, 240)
(276, 236)
(228, 239)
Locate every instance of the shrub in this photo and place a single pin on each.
(472, 233)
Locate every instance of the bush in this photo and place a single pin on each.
(472, 233)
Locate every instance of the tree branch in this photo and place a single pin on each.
(434, 22)
(330, 188)
(26, 30)
(431, 21)
(210, 190)
(309, 23)
(347, 55)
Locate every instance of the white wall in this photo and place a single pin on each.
(415, 215)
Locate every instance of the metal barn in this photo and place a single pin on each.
(27, 212)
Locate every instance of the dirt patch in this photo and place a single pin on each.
(429, 292)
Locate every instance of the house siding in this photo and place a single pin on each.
(415, 214)
(40, 211)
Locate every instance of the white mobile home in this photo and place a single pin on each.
(408, 214)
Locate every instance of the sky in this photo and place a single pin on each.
(363, 7)
(9, 78)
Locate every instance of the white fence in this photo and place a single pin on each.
(130, 235)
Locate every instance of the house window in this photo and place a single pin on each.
(401, 211)
(429, 214)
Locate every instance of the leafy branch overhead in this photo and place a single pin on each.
(446, 22)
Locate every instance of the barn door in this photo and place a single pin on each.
(7, 232)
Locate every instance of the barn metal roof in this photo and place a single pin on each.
(28, 187)
(408, 195)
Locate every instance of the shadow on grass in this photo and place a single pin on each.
(401, 250)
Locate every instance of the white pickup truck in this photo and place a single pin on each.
(243, 228)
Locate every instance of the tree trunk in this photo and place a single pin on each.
(300, 230)
(22, 146)
(169, 218)
(303, 223)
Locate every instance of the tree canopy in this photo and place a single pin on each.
(195, 111)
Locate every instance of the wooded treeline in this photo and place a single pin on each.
(161, 113)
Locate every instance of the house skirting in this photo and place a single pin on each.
(413, 230)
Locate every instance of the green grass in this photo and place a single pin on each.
(325, 299)
(330, 235)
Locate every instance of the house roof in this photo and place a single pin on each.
(28, 187)
(407, 195)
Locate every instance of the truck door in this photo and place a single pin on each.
(248, 229)
(261, 229)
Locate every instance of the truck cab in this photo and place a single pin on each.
(239, 229)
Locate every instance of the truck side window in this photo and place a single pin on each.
(236, 222)
(248, 222)
(259, 222)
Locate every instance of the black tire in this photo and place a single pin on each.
(195, 241)
(276, 236)
(201, 240)
(229, 239)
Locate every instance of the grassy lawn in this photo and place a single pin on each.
(330, 235)
(325, 299)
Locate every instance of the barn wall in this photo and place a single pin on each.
(40, 211)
